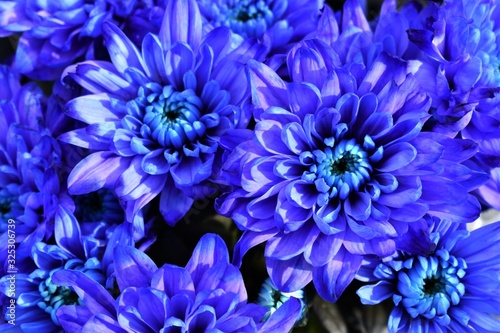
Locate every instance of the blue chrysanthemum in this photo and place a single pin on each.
(56, 33)
(155, 117)
(358, 41)
(206, 296)
(30, 163)
(86, 248)
(281, 22)
(454, 288)
(338, 166)
(459, 67)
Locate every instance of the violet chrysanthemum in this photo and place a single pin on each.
(459, 63)
(155, 117)
(459, 67)
(280, 22)
(57, 33)
(206, 296)
(358, 41)
(30, 162)
(453, 288)
(338, 167)
(86, 248)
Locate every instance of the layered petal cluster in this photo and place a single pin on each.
(30, 162)
(155, 117)
(83, 246)
(57, 33)
(459, 67)
(281, 23)
(359, 41)
(454, 288)
(338, 167)
(208, 295)
(459, 62)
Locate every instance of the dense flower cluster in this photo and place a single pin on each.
(306, 138)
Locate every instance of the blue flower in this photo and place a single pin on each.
(459, 67)
(272, 298)
(338, 167)
(281, 22)
(85, 248)
(453, 288)
(155, 118)
(207, 295)
(31, 162)
(55, 34)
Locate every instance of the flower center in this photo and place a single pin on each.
(433, 286)
(272, 298)
(55, 296)
(98, 206)
(172, 117)
(341, 169)
(248, 18)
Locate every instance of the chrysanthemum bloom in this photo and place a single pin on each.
(459, 67)
(280, 22)
(338, 166)
(57, 33)
(155, 117)
(84, 248)
(30, 159)
(454, 288)
(206, 296)
(358, 41)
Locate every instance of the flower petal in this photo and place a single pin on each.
(289, 275)
(190, 31)
(209, 251)
(96, 171)
(97, 299)
(133, 268)
(173, 280)
(67, 232)
(124, 54)
(375, 293)
(331, 280)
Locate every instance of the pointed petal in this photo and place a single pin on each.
(332, 279)
(190, 31)
(67, 232)
(96, 171)
(133, 268)
(174, 203)
(284, 318)
(209, 251)
(97, 299)
(289, 275)
(123, 52)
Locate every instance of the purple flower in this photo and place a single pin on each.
(459, 67)
(56, 33)
(86, 248)
(30, 160)
(207, 295)
(338, 167)
(452, 288)
(281, 23)
(155, 117)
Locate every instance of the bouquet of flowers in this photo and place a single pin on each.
(249, 166)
